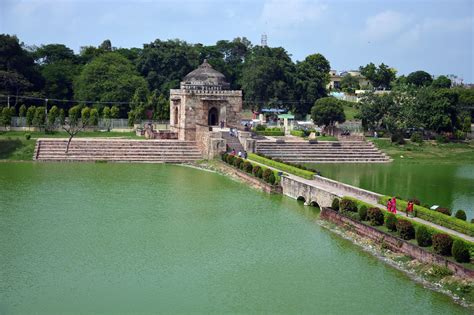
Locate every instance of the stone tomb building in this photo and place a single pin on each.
(203, 100)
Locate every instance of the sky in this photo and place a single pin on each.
(408, 35)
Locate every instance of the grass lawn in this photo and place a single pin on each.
(16, 149)
(350, 112)
(428, 150)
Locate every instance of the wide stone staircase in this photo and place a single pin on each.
(233, 142)
(117, 150)
(323, 152)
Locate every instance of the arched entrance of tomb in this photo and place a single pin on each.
(213, 117)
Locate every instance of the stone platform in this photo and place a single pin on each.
(323, 151)
(117, 150)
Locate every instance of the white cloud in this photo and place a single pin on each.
(437, 27)
(286, 13)
(385, 25)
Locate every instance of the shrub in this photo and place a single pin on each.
(230, 159)
(224, 157)
(445, 211)
(27, 136)
(391, 222)
(260, 128)
(442, 244)
(266, 174)
(416, 137)
(347, 205)
(94, 117)
(375, 216)
(260, 173)
(362, 213)
(238, 161)
(461, 215)
(22, 111)
(441, 139)
(335, 204)
(405, 229)
(85, 115)
(472, 220)
(271, 178)
(255, 170)
(30, 115)
(247, 167)
(397, 138)
(423, 237)
(40, 116)
(460, 252)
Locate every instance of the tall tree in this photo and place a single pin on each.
(48, 54)
(109, 77)
(312, 77)
(165, 63)
(441, 82)
(419, 78)
(268, 75)
(327, 111)
(349, 83)
(380, 77)
(17, 67)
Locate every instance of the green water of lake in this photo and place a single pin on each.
(125, 238)
(448, 185)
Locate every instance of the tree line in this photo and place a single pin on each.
(139, 79)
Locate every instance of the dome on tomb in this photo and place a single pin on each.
(205, 77)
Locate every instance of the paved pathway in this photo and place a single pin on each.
(343, 192)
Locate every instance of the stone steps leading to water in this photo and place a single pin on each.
(114, 150)
(323, 152)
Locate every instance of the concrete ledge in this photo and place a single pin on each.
(374, 197)
(394, 243)
(249, 179)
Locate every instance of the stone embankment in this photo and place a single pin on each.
(395, 243)
(117, 150)
(323, 152)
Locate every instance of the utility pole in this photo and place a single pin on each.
(8, 100)
(46, 106)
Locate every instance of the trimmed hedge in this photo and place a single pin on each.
(442, 244)
(444, 211)
(271, 133)
(423, 237)
(250, 168)
(281, 166)
(335, 204)
(461, 215)
(297, 133)
(460, 252)
(405, 229)
(375, 216)
(391, 222)
(435, 217)
(347, 205)
(362, 213)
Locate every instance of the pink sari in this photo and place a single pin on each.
(394, 205)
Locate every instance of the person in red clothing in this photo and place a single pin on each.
(410, 208)
(394, 205)
(389, 205)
